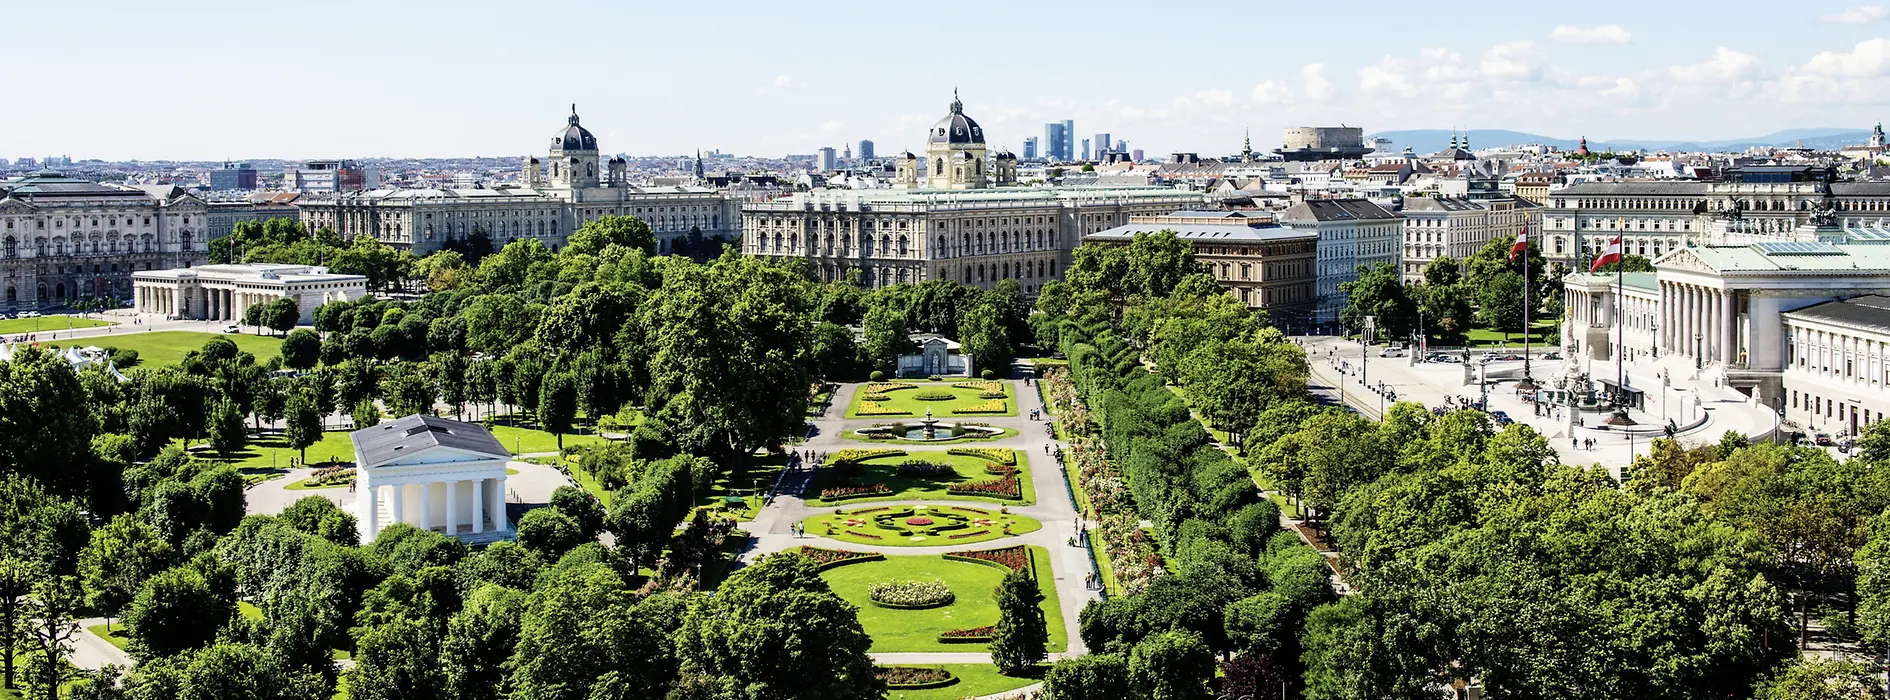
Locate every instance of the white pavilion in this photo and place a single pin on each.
(432, 473)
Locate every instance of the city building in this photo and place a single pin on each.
(1535, 186)
(63, 238)
(825, 161)
(432, 473)
(1352, 233)
(1086, 149)
(553, 198)
(1459, 227)
(1313, 143)
(225, 292)
(963, 224)
(866, 150)
(1265, 265)
(223, 215)
(330, 176)
(1030, 148)
(1102, 143)
(233, 176)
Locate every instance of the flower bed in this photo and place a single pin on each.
(968, 509)
(330, 476)
(926, 468)
(883, 387)
(841, 493)
(876, 397)
(829, 558)
(1008, 487)
(870, 408)
(911, 595)
(981, 386)
(992, 406)
(861, 454)
(999, 469)
(993, 454)
(863, 511)
(913, 678)
(918, 521)
(934, 396)
(865, 535)
(963, 535)
(1012, 558)
(975, 635)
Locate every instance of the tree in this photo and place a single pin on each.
(16, 583)
(778, 607)
(235, 670)
(479, 640)
(1095, 676)
(175, 611)
(581, 507)
(282, 314)
(981, 332)
(227, 434)
(549, 533)
(605, 231)
(1500, 302)
(1021, 637)
(836, 354)
(1379, 292)
(51, 628)
(887, 336)
(1823, 680)
(583, 636)
(1172, 665)
(46, 427)
(304, 426)
(399, 660)
(557, 405)
(301, 349)
(115, 564)
(365, 414)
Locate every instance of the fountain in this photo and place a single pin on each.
(931, 429)
(928, 429)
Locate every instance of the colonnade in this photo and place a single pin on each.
(414, 504)
(208, 304)
(1699, 322)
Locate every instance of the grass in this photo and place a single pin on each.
(902, 400)
(272, 452)
(116, 635)
(835, 526)
(762, 473)
(885, 470)
(168, 347)
(528, 441)
(47, 324)
(303, 485)
(918, 630)
(855, 435)
(974, 680)
(1486, 338)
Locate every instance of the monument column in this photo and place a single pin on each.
(373, 510)
(398, 512)
(426, 506)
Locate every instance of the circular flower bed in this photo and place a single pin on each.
(911, 595)
(919, 522)
(934, 396)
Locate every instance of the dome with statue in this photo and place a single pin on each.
(957, 128)
(574, 137)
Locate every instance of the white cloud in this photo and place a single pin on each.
(1862, 14)
(1623, 87)
(1725, 67)
(1272, 92)
(1318, 86)
(1215, 98)
(1601, 34)
(784, 81)
(1867, 59)
(1512, 61)
(1389, 76)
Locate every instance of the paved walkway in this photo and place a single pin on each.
(772, 531)
(91, 652)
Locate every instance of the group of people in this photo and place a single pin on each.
(1582, 444)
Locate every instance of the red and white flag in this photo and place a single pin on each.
(1611, 255)
(1522, 244)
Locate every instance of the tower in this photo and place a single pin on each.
(955, 151)
(573, 156)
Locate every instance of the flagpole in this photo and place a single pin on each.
(1620, 416)
(1527, 384)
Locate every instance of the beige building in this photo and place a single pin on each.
(64, 239)
(963, 225)
(1459, 227)
(1265, 265)
(226, 292)
(554, 197)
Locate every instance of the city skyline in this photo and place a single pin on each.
(467, 82)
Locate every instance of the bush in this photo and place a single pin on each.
(988, 374)
(975, 635)
(914, 678)
(926, 468)
(877, 376)
(935, 378)
(911, 595)
(934, 396)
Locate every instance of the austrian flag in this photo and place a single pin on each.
(1611, 255)
(1522, 244)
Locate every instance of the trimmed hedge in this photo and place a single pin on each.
(830, 558)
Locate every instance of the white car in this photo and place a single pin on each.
(1392, 350)
(232, 328)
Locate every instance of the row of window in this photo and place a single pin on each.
(78, 222)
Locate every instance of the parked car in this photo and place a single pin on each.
(1501, 418)
(1444, 358)
(1552, 356)
(232, 328)
(1392, 350)
(1823, 439)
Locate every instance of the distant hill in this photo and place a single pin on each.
(1434, 140)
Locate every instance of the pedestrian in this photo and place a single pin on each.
(1572, 444)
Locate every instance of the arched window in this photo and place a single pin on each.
(938, 166)
(902, 246)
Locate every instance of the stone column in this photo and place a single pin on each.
(399, 511)
(1730, 325)
(498, 503)
(373, 513)
(426, 507)
(478, 506)
(452, 509)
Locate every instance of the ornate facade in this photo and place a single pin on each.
(63, 239)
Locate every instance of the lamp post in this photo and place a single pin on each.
(1698, 363)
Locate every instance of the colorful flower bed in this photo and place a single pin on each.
(911, 595)
(926, 468)
(968, 636)
(1008, 487)
(1012, 558)
(999, 469)
(841, 493)
(913, 678)
(861, 454)
(866, 535)
(871, 408)
(829, 558)
(934, 396)
(1131, 552)
(875, 397)
(994, 454)
(918, 521)
(981, 386)
(964, 535)
(883, 387)
(330, 476)
(992, 406)
(967, 509)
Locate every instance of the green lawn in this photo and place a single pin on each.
(1486, 338)
(976, 437)
(45, 324)
(918, 630)
(838, 524)
(116, 635)
(169, 347)
(270, 451)
(885, 470)
(974, 680)
(527, 440)
(902, 400)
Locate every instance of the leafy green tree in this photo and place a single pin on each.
(449, 374)
(887, 336)
(236, 670)
(982, 333)
(1379, 292)
(227, 433)
(115, 564)
(301, 348)
(1021, 637)
(582, 635)
(1096, 676)
(1500, 302)
(16, 583)
(549, 533)
(320, 517)
(777, 608)
(281, 315)
(399, 660)
(52, 629)
(1823, 680)
(175, 611)
(480, 638)
(1172, 665)
(836, 355)
(46, 427)
(365, 414)
(304, 423)
(581, 507)
(605, 231)
(557, 405)
(1158, 261)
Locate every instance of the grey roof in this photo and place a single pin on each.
(956, 127)
(574, 137)
(46, 183)
(1206, 233)
(1193, 214)
(388, 441)
(1633, 188)
(1869, 312)
(1336, 210)
(1440, 204)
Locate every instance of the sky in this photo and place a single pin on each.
(415, 78)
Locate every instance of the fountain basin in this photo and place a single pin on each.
(929, 431)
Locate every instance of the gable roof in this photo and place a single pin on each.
(380, 444)
(1336, 210)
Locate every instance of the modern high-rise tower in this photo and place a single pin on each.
(1030, 148)
(866, 149)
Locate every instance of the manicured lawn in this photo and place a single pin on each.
(116, 636)
(303, 485)
(918, 630)
(987, 522)
(979, 437)
(762, 473)
(902, 400)
(169, 347)
(48, 323)
(885, 470)
(272, 452)
(527, 440)
(1485, 337)
(974, 680)
(248, 610)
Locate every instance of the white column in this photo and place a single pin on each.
(478, 506)
(452, 509)
(497, 488)
(1729, 328)
(426, 507)
(399, 511)
(373, 513)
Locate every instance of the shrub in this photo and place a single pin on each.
(841, 493)
(1008, 487)
(877, 376)
(829, 558)
(991, 454)
(935, 378)
(934, 396)
(913, 678)
(988, 374)
(968, 636)
(1012, 558)
(926, 468)
(911, 595)
(992, 406)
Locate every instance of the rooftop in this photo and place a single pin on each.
(1205, 233)
(388, 441)
(1776, 256)
(1336, 210)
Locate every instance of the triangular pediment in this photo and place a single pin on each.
(1683, 258)
(10, 205)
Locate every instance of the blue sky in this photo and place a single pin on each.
(211, 80)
